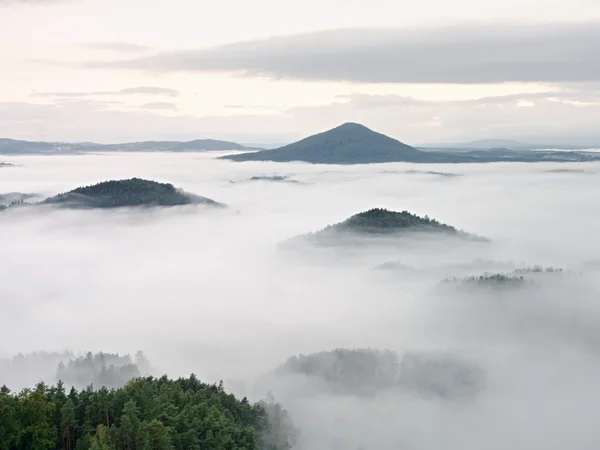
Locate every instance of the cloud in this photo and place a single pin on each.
(470, 53)
(159, 105)
(117, 47)
(148, 90)
(382, 100)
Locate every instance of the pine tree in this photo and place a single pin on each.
(67, 424)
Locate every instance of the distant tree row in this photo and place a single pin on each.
(100, 369)
(514, 279)
(368, 371)
(146, 414)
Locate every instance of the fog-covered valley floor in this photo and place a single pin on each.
(213, 292)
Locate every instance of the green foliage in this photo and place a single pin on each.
(145, 414)
(127, 193)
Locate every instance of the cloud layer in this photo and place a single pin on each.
(482, 53)
(212, 294)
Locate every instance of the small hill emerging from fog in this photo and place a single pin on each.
(134, 192)
(350, 143)
(369, 371)
(380, 222)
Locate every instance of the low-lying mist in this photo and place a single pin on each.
(213, 293)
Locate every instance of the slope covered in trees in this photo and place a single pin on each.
(146, 414)
(128, 193)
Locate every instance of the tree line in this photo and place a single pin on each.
(146, 414)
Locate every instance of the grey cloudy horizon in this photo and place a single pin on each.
(425, 72)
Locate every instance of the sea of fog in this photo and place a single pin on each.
(211, 293)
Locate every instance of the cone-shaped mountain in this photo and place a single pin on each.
(350, 143)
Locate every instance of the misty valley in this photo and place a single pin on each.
(190, 300)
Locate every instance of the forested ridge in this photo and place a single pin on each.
(145, 414)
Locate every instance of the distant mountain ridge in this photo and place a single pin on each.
(15, 147)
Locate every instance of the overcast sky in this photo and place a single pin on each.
(277, 70)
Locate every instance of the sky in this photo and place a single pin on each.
(275, 71)
(210, 292)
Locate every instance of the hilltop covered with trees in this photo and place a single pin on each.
(128, 193)
(146, 414)
(380, 222)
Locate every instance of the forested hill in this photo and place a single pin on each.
(383, 222)
(146, 414)
(127, 193)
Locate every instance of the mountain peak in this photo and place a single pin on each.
(351, 126)
(348, 143)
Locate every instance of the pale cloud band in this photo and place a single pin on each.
(142, 90)
(491, 53)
